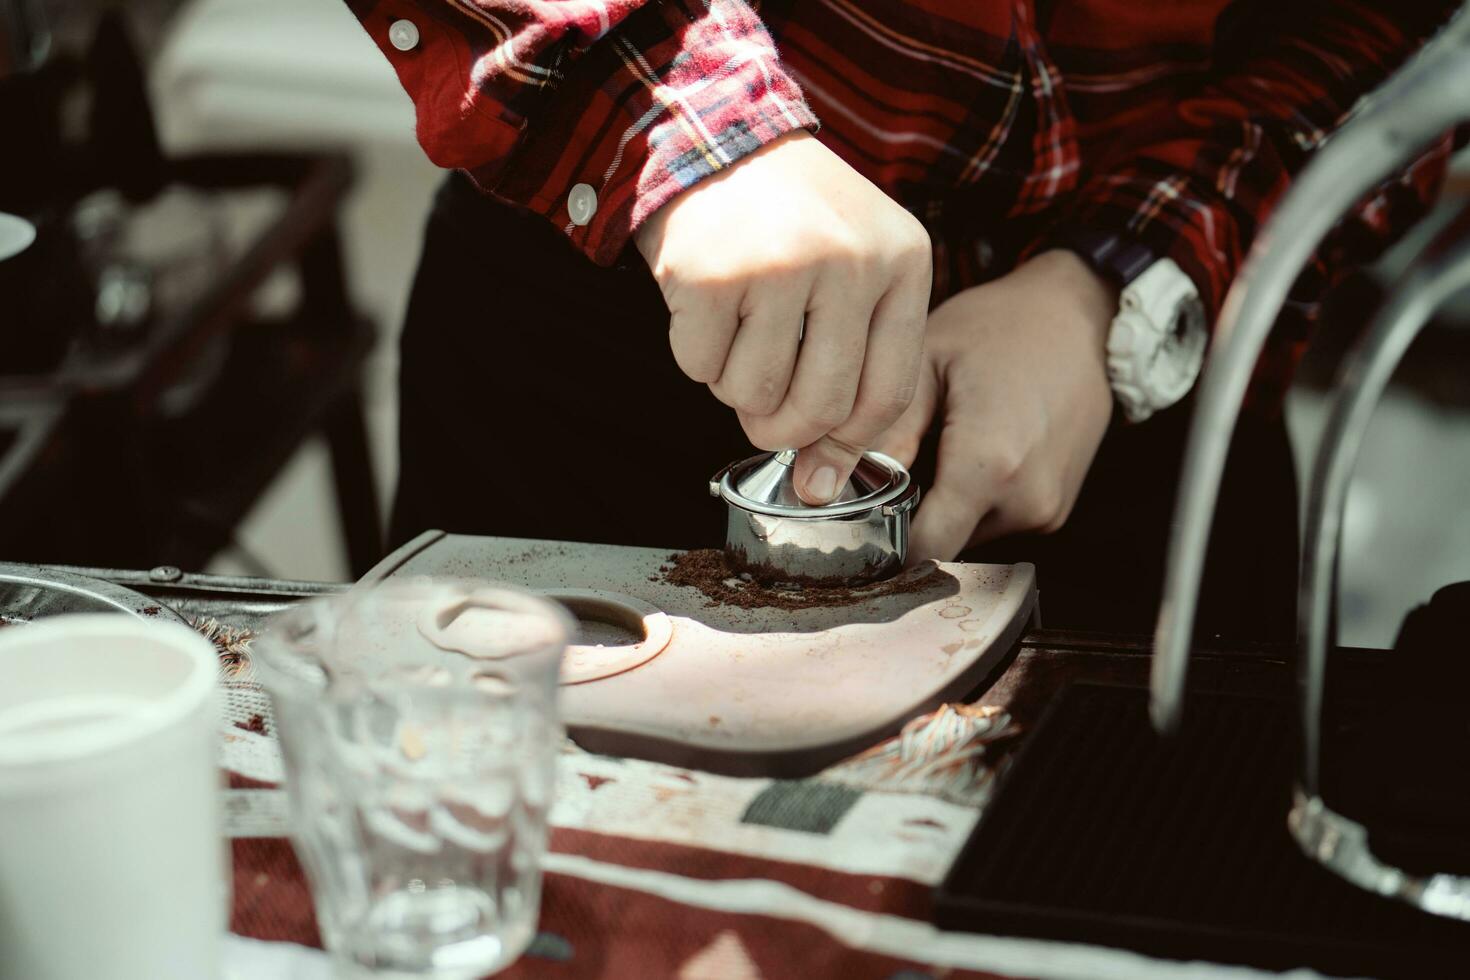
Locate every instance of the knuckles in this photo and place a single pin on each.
(702, 370)
(825, 413)
(817, 252)
(697, 357)
(912, 250)
(838, 252)
(1045, 508)
(1002, 467)
(830, 249)
(783, 430)
(1051, 512)
(762, 434)
(893, 400)
(756, 397)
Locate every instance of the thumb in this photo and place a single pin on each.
(823, 468)
(901, 441)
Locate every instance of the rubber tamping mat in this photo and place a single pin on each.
(1104, 832)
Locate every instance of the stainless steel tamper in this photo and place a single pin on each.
(861, 536)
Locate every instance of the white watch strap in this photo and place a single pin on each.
(1157, 341)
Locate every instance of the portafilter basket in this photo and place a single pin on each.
(861, 536)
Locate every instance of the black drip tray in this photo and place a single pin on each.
(1103, 832)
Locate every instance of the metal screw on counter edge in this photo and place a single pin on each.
(165, 573)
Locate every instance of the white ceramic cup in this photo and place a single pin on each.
(112, 857)
(16, 235)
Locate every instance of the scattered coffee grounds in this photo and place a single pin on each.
(727, 582)
(150, 610)
(255, 724)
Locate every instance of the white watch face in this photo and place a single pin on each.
(1157, 341)
(1177, 363)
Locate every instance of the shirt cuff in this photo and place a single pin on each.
(1162, 215)
(677, 92)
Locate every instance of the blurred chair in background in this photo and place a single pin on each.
(153, 404)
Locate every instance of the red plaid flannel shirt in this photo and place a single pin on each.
(1177, 124)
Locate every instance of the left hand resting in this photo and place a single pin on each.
(1019, 368)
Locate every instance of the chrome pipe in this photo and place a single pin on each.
(1438, 277)
(1424, 99)
(25, 39)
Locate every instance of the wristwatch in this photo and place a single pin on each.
(1156, 344)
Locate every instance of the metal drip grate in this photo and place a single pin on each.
(1104, 832)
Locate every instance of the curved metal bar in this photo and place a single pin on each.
(1341, 846)
(1444, 273)
(1424, 99)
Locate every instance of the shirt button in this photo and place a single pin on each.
(403, 35)
(582, 204)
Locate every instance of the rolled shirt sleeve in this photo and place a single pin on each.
(1199, 181)
(592, 114)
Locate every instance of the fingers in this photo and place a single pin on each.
(790, 229)
(890, 375)
(969, 480)
(983, 493)
(891, 369)
(902, 438)
(757, 372)
(829, 367)
(702, 326)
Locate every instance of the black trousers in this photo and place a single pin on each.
(540, 400)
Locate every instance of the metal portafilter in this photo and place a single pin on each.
(861, 536)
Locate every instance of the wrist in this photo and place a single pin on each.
(1148, 322)
(648, 235)
(1091, 295)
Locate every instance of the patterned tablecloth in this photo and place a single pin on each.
(655, 871)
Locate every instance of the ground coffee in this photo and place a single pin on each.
(726, 582)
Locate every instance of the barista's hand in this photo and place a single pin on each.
(741, 257)
(1019, 367)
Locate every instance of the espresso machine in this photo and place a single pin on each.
(1426, 98)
